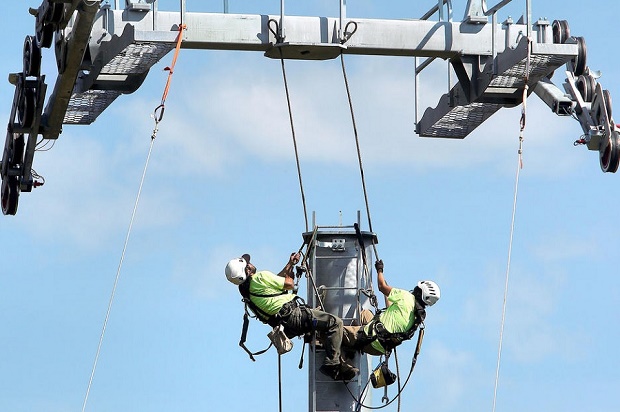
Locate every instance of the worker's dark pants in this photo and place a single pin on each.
(298, 320)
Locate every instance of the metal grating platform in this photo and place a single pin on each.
(135, 59)
(459, 121)
(540, 66)
(452, 120)
(85, 107)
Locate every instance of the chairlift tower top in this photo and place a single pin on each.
(103, 52)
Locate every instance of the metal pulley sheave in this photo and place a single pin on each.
(28, 89)
(10, 195)
(26, 98)
(586, 85)
(31, 57)
(601, 113)
(561, 35)
(24, 109)
(561, 31)
(594, 106)
(609, 153)
(48, 16)
(27, 104)
(609, 149)
(579, 63)
(13, 157)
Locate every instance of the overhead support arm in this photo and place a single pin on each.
(74, 48)
(558, 102)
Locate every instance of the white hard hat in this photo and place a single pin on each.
(430, 292)
(235, 270)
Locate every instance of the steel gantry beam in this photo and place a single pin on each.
(140, 38)
(103, 52)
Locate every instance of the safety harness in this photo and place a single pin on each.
(381, 376)
(259, 314)
(389, 340)
(244, 289)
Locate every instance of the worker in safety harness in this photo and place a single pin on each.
(381, 333)
(268, 296)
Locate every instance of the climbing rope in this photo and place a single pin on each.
(274, 29)
(398, 380)
(158, 115)
(277, 34)
(370, 293)
(290, 114)
(347, 35)
(357, 145)
(522, 123)
(280, 381)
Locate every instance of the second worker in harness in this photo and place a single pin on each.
(405, 311)
(268, 296)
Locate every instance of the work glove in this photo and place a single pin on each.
(379, 265)
(294, 259)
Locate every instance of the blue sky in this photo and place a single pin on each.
(223, 181)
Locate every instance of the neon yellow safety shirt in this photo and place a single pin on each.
(398, 317)
(268, 283)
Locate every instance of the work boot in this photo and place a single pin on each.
(330, 370)
(348, 372)
(343, 371)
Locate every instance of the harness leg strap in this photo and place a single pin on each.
(244, 334)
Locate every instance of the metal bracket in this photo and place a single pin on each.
(137, 5)
(475, 12)
(336, 245)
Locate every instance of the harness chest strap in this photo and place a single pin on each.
(271, 320)
(390, 340)
(244, 289)
(244, 333)
(263, 316)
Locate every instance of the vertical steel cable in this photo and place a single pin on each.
(512, 223)
(501, 333)
(118, 274)
(357, 145)
(276, 33)
(290, 115)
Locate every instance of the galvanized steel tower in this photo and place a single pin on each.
(339, 277)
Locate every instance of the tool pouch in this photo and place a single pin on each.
(382, 376)
(279, 339)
